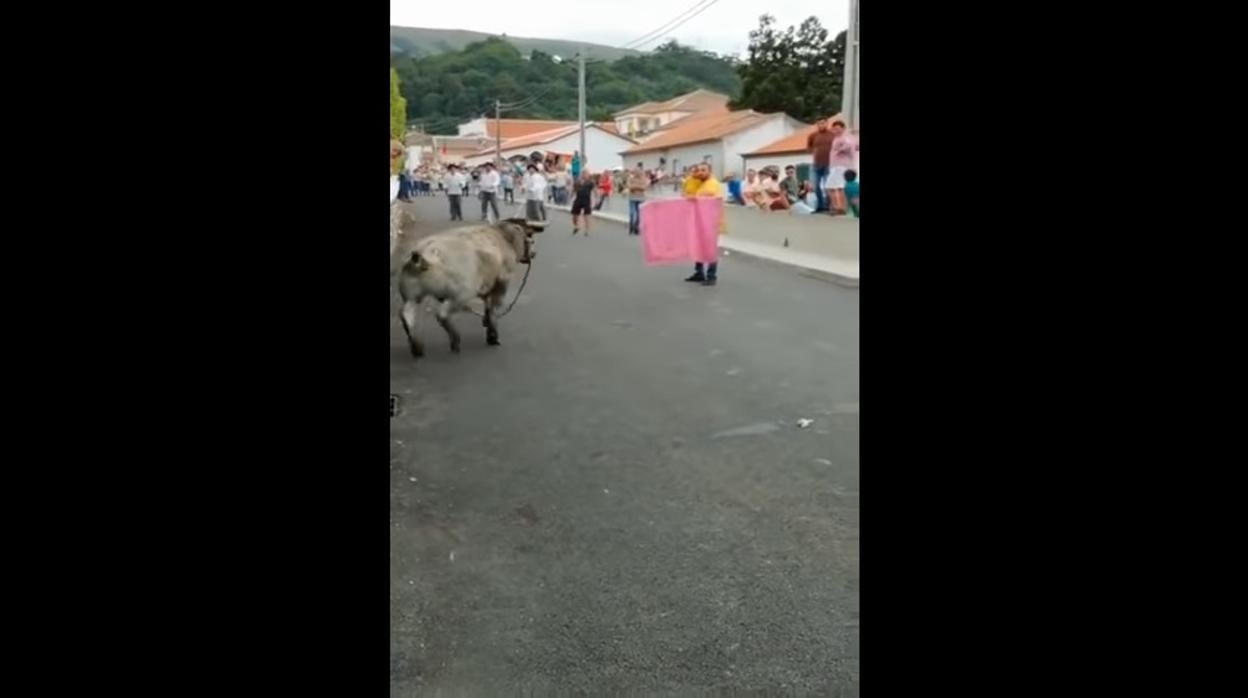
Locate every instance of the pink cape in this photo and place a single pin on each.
(681, 230)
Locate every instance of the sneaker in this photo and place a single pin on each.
(697, 277)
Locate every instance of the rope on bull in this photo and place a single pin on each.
(515, 298)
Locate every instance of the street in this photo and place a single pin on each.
(619, 498)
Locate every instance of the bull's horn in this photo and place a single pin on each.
(535, 226)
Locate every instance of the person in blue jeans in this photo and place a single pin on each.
(637, 183)
(819, 145)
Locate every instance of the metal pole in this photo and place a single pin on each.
(849, 98)
(498, 132)
(580, 105)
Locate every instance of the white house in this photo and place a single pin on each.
(641, 121)
(602, 146)
(719, 139)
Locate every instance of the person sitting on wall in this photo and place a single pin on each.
(791, 187)
(752, 191)
(773, 195)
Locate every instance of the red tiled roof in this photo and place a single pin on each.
(515, 128)
(697, 128)
(696, 101)
(535, 139)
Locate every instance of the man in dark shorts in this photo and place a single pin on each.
(582, 202)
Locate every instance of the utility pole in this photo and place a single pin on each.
(580, 104)
(498, 132)
(849, 98)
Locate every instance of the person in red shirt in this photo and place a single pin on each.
(604, 186)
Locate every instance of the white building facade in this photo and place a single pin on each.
(602, 148)
(723, 154)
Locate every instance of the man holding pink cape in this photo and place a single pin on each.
(685, 230)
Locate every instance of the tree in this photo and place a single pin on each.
(447, 88)
(398, 108)
(797, 71)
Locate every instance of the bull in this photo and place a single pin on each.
(459, 265)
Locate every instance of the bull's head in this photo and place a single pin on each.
(519, 232)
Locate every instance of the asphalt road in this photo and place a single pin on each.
(619, 499)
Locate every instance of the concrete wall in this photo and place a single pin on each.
(821, 235)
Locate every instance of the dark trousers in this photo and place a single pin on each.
(457, 213)
(534, 210)
(509, 196)
(712, 269)
(634, 217)
(489, 199)
(821, 196)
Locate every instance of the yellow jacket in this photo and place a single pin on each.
(706, 187)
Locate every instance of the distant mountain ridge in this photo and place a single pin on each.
(420, 41)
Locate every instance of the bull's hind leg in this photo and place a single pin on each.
(408, 314)
(493, 302)
(444, 319)
(491, 327)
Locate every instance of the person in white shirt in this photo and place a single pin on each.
(565, 187)
(455, 182)
(489, 191)
(535, 195)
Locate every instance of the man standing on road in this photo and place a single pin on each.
(509, 196)
(819, 145)
(637, 183)
(455, 183)
(582, 205)
(535, 195)
(700, 182)
(489, 191)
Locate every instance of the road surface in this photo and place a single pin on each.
(619, 497)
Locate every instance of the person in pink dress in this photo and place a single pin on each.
(844, 145)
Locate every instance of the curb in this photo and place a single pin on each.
(808, 272)
(821, 275)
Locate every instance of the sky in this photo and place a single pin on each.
(723, 27)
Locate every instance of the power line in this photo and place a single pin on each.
(528, 101)
(666, 26)
(704, 8)
(641, 39)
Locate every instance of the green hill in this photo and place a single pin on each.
(452, 86)
(418, 41)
